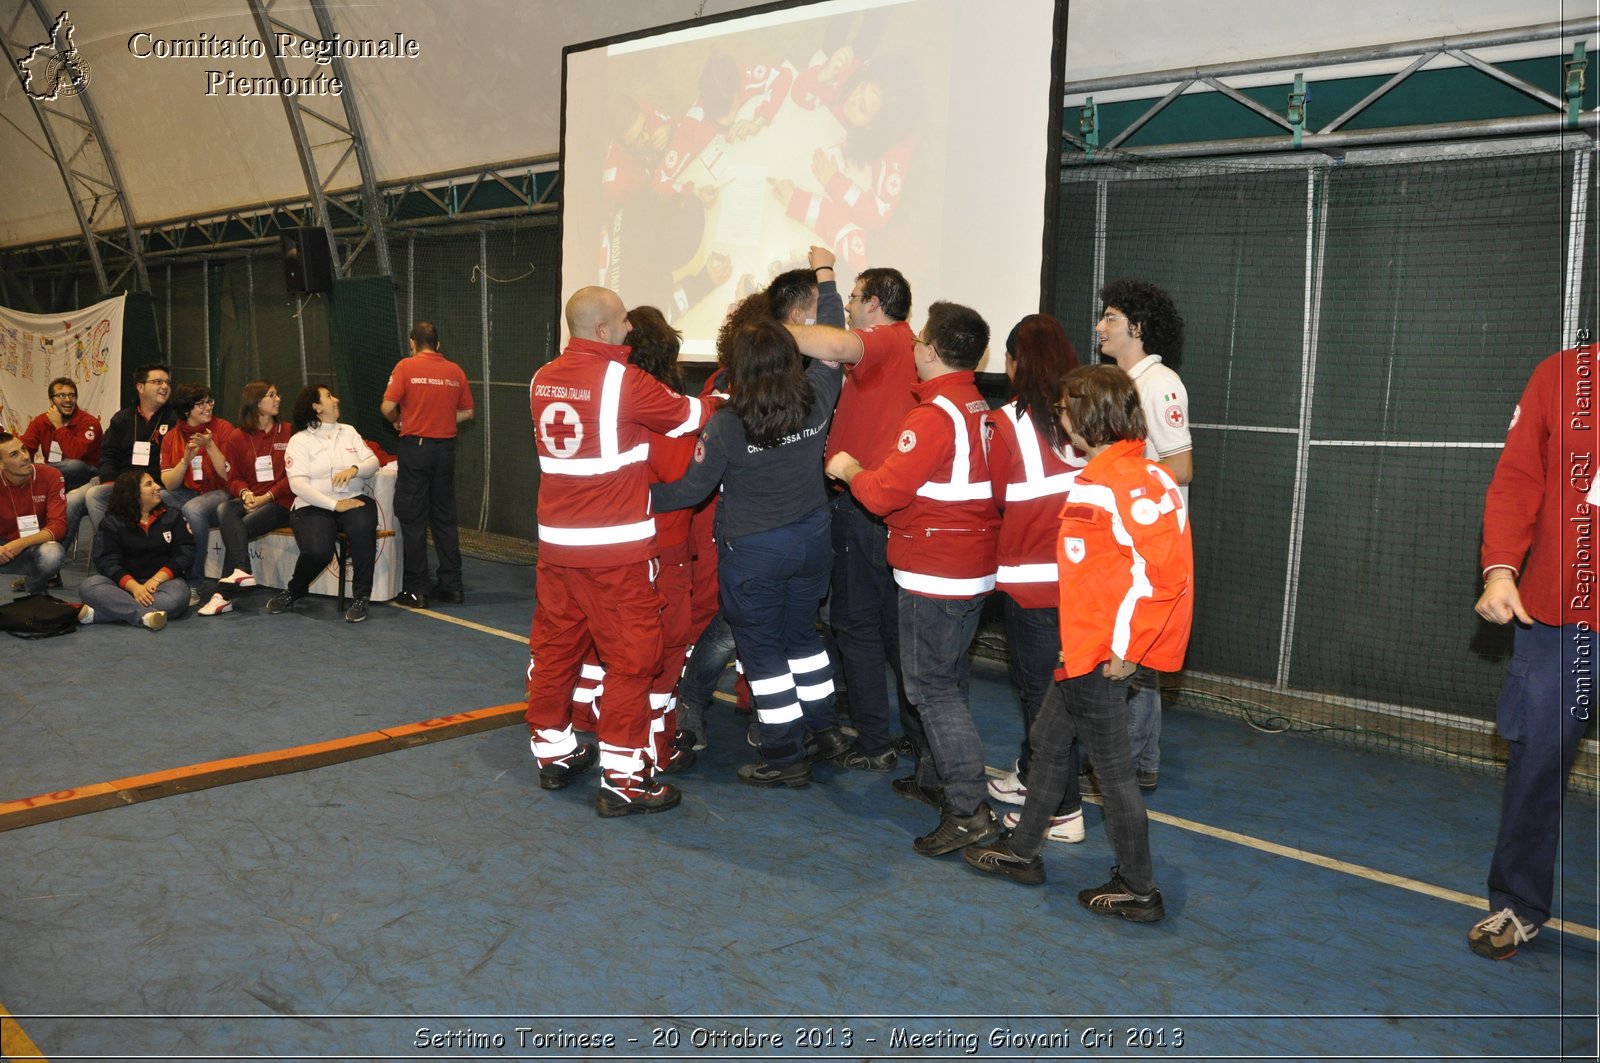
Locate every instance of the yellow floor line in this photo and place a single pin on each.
(14, 1042)
(1345, 867)
(487, 630)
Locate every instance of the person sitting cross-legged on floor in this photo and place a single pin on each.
(141, 551)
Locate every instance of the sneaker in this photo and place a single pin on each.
(679, 760)
(902, 746)
(282, 602)
(957, 832)
(997, 858)
(682, 739)
(20, 584)
(194, 597)
(933, 796)
(239, 577)
(752, 734)
(830, 744)
(155, 620)
(559, 773)
(1067, 828)
(1117, 898)
(1009, 788)
(765, 775)
(1146, 779)
(1498, 936)
(217, 604)
(86, 614)
(407, 600)
(357, 611)
(857, 760)
(1088, 783)
(648, 796)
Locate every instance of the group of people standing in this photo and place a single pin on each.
(858, 470)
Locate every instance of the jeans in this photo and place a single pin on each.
(316, 532)
(1034, 638)
(77, 506)
(770, 584)
(864, 612)
(111, 603)
(201, 513)
(74, 472)
(1544, 709)
(425, 500)
(239, 527)
(707, 661)
(1093, 710)
(37, 564)
(1144, 720)
(935, 634)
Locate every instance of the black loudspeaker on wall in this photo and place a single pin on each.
(307, 262)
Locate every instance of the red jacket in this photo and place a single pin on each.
(244, 449)
(933, 491)
(1535, 508)
(44, 496)
(592, 416)
(1030, 479)
(1127, 565)
(79, 438)
(211, 478)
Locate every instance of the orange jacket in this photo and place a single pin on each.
(1127, 565)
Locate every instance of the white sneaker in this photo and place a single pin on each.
(155, 620)
(1068, 828)
(1008, 788)
(239, 577)
(86, 614)
(194, 598)
(217, 604)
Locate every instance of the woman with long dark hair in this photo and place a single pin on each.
(258, 484)
(1032, 464)
(330, 472)
(142, 551)
(774, 547)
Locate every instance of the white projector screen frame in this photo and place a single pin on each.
(701, 159)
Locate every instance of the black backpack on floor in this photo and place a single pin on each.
(38, 616)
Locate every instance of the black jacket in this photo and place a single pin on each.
(121, 549)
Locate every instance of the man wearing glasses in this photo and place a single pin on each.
(68, 440)
(133, 438)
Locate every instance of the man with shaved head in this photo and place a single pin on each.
(592, 415)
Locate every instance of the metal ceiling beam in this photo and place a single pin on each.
(78, 143)
(1460, 48)
(342, 116)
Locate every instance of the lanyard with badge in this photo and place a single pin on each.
(27, 523)
(141, 448)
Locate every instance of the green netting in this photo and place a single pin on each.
(1357, 334)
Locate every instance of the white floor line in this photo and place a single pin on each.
(1194, 827)
(1427, 889)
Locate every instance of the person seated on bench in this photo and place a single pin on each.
(142, 550)
(330, 472)
(259, 485)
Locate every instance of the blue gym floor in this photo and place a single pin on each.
(427, 903)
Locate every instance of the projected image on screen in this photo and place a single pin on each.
(701, 162)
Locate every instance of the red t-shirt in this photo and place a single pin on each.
(429, 388)
(876, 395)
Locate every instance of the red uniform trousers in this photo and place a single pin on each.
(615, 612)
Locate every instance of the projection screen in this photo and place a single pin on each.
(700, 160)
